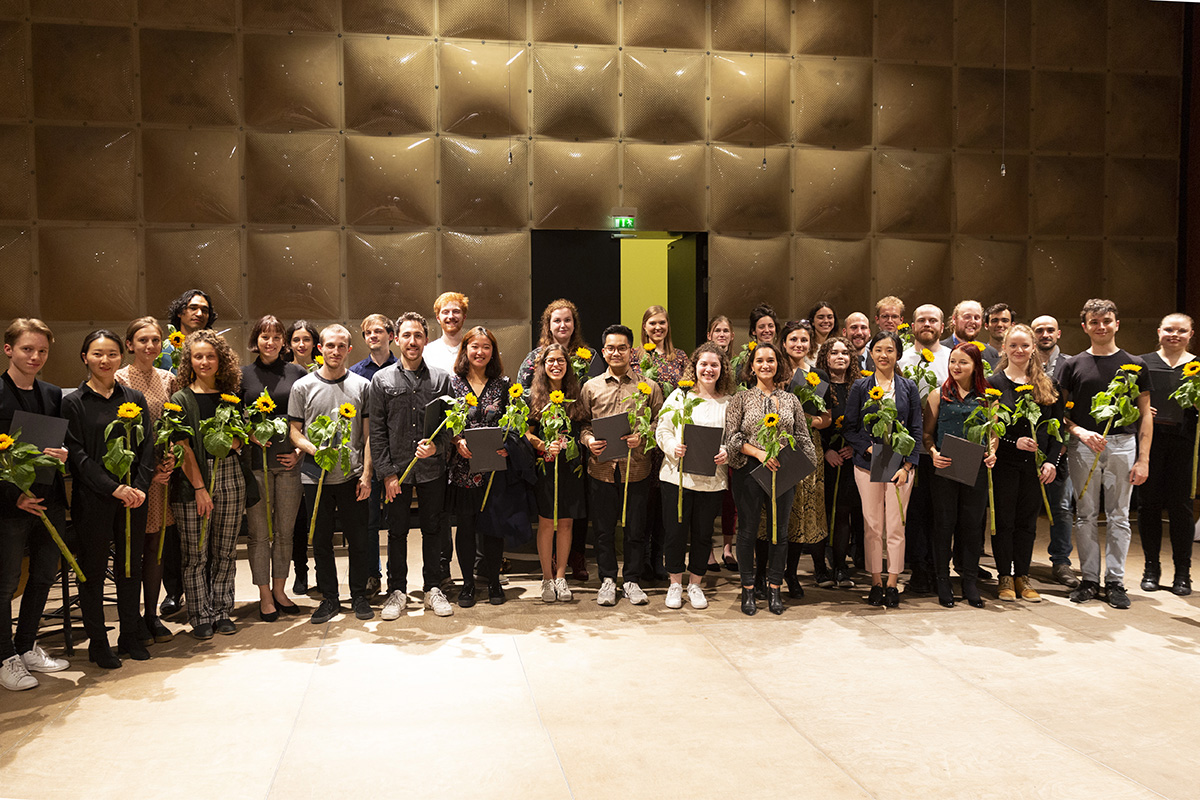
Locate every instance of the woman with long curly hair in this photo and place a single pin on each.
(209, 374)
(560, 325)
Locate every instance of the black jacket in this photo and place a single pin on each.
(48, 401)
(87, 415)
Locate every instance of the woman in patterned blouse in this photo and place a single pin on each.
(667, 361)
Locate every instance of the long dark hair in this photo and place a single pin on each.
(979, 382)
(180, 303)
(300, 324)
(539, 390)
(494, 368)
(783, 372)
(758, 312)
(823, 358)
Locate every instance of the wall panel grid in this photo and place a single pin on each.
(279, 152)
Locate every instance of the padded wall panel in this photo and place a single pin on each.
(832, 191)
(410, 18)
(751, 25)
(1140, 276)
(992, 109)
(913, 105)
(914, 269)
(978, 21)
(666, 184)
(1068, 196)
(484, 89)
(178, 260)
(749, 195)
(209, 14)
(390, 180)
(483, 19)
(1145, 35)
(912, 192)
(1144, 118)
(1142, 197)
(575, 92)
(14, 173)
(191, 176)
(1070, 33)
(834, 27)
(1065, 273)
(1068, 112)
(833, 102)
(480, 188)
(490, 268)
(664, 23)
(389, 85)
(85, 173)
(89, 273)
(915, 30)
(664, 95)
(290, 15)
(13, 63)
(987, 202)
(291, 82)
(560, 169)
(575, 21)
(390, 273)
(744, 272)
(91, 10)
(83, 72)
(513, 342)
(12, 8)
(275, 260)
(19, 298)
(837, 271)
(992, 271)
(189, 77)
(292, 178)
(748, 107)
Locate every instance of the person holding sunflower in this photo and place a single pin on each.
(720, 333)
(332, 391)
(99, 498)
(270, 551)
(834, 361)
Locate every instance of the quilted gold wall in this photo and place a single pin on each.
(326, 159)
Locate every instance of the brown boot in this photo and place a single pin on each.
(1025, 590)
(1006, 593)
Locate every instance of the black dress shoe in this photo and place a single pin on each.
(944, 592)
(875, 598)
(129, 645)
(795, 590)
(288, 609)
(143, 632)
(496, 593)
(730, 563)
(160, 632)
(984, 575)
(268, 616)
(170, 606)
(760, 590)
(300, 585)
(466, 595)
(971, 593)
(102, 656)
(1182, 585)
(225, 627)
(891, 597)
(775, 600)
(203, 631)
(919, 582)
(748, 606)
(1151, 576)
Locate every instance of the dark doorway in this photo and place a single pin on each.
(582, 266)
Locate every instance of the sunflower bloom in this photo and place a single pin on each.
(992, 391)
(876, 393)
(557, 397)
(644, 388)
(264, 404)
(176, 339)
(347, 411)
(6, 441)
(751, 346)
(584, 354)
(174, 407)
(472, 400)
(1070, 404)
(232, 399)
(649, 347)
(866, 373)
(1191, 369)
(320, 361)
(771, 420)
(927, 355)
(1024, 387)
(129, 410)
(1131, 367)
(686, 384)
(837, 423)
(515, 391)
(903, 326)
(813, 379)
(980, 345)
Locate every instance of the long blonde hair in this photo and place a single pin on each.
(668, 349)
(1044, 393)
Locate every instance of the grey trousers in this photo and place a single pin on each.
(1112, 473)
(273, 559)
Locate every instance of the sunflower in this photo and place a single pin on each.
(927, 355)
(264, 404)
(685, 385)
(6, 441)
(1024, 387)
(1070, 404)
(751, 345)
(992, 391)
(348, 411)
(866, 373)
(837, 423)
(1191, 369)
(176, 339)
(232, 399)
(644, 387)
(557, 397)
(903, 326)
(472, 400)
(1131, 367)
(174, 407)
(129, 411)
(876, 393)
(771, 420)
(980, 345)
(319, 361)
(516, 390)
(584, 354)
(649, 347)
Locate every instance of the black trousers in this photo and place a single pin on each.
(477, 554)
(16, 533)
(1018, 499)
(958, 511)
(918, 519)
(299, 541)
(1169, 486)
(604, 506)
(693, 535)
(99, 523)
(339, 499)
(431, 509)
(172, 563)
(751, 502)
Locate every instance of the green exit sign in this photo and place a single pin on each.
(624, 223)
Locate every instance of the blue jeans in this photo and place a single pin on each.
(1060, 493)
(1112, 472)
(15, 534)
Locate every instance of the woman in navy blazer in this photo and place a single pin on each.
(881, 506)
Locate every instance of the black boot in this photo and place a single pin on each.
(100, 654)
(1182, 585)
(774, 600)
(971, 593)
(748, 607)
(1150, 576)
(920, 582)
(944, 592)
(795, 590)
(495, 592)
(466, 595)
(130, 645)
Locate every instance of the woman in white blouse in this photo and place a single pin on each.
(708, 371)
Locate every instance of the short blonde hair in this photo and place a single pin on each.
(23, 325)
(450, 297)
(891, 301)
(377, 319)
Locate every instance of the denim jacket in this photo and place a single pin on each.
(397, 421)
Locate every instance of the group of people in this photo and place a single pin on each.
(603, 441)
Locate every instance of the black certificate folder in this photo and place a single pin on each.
(611, 429)
(41, 431)
(483, 444)
(703, 444)
(794, 467)
(965, 458)
(885, 462)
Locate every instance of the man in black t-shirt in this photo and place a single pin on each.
(1124, 454)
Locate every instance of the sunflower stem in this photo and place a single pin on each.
(62, 546)
(1095, 460)
(162, 530)
(128, 482)
(625, 500)
(556, 493)
(212, 484)
(312, 525)
(679, 509)
(774, 513)
(487, 491)
(267, 495)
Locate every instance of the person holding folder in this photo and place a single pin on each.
(959, 497)
(399, 397)
(708, 369)
(1017, 475)
(1169, 482)
(27, 345)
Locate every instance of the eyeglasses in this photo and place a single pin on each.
(619, 349)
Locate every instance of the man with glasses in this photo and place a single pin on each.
(605, 395)
(889, 313)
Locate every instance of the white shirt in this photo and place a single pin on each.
(441, 355)
(710, 413)
(940, 365)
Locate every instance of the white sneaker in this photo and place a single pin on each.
(393, 607)
(437, 601)
(503, 580)
(634, 594)
(38, 660)
(548, 594)
(674, 595)
(14, 676)
(607, 596)
(696, 596)
(561, 590)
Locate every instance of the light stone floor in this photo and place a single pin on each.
(832, 700)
